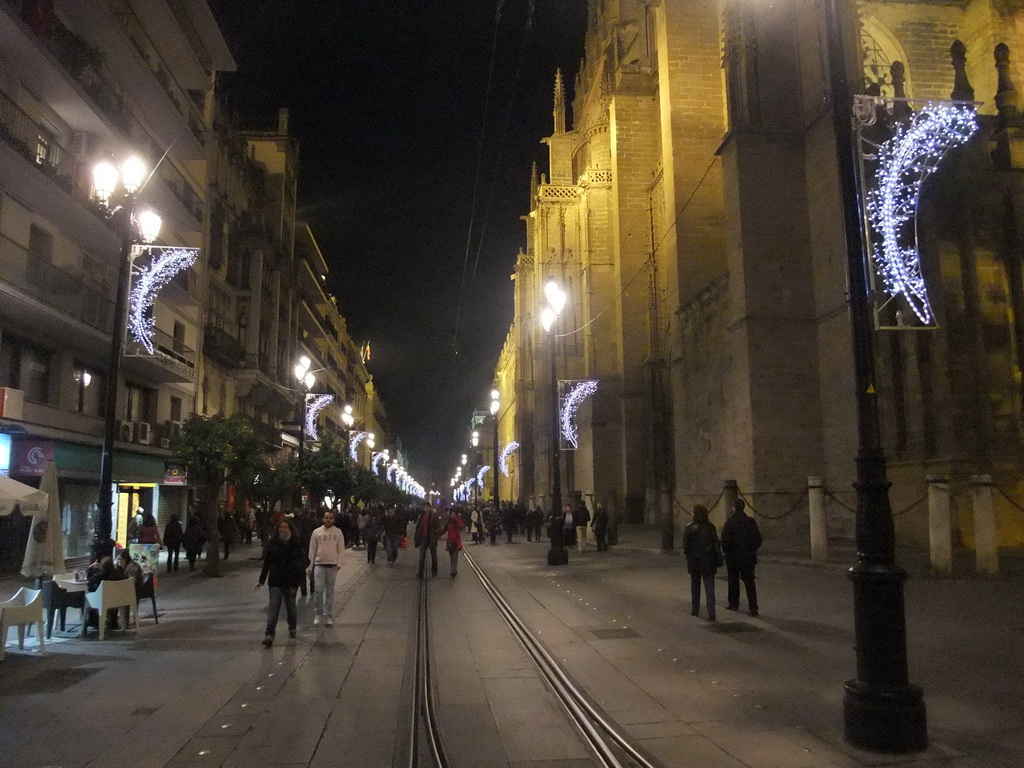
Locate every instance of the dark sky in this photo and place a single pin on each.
(388, 99)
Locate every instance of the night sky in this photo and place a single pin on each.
(387, 100)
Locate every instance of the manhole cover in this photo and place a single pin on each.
(617, 633)
(732, 626)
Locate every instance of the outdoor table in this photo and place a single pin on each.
(72, 585)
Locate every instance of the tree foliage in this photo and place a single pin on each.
(215, 449)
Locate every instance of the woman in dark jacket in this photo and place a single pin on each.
(285, 564)
(195, 538)
(703, 557)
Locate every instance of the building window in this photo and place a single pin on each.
(40, 243)
(88, 391)
(26, 367)
(179, 337)
(140, 403)
(175, 409)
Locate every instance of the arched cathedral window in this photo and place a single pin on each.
(881, 49)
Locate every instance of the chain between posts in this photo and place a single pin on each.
(787, 513)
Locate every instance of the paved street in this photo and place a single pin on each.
(198, 689)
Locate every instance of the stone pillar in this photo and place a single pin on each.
(986, 547)
(819, 527)
(667, 518)
(721, 512)
(939, 524)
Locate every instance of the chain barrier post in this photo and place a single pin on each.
(986, 548)
(939, 524)
(819, 528)
(730, 492)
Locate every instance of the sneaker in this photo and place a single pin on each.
(316, 620)
(329, 621)
(268, 641)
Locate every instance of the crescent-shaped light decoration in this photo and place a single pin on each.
(904, 162)
(353, 444)
(480, 475)
(389, 472)
(580, 392)
(149, 280)
(376, 460)
(506, 452)
(314, 405)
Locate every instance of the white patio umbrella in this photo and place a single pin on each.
(45, 550)
(29, 501)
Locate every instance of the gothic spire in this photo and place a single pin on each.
(559, 104)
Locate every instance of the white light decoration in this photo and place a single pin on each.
(904, 162)
(389, 473)
(580, 392)
(148, 282)
(314, 405)
(353, 444)
(506, 452)
(480, 475)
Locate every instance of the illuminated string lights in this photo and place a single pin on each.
(904, 162)
(480, 475)
(376, 460)
(389, 473)
(580, 392)
(506, 452)
(353, 444)
(314, 405)
(148, 283)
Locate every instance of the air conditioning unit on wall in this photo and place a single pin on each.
(143, 433)
(165, 443)
(11, 403)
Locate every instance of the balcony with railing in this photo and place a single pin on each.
(222, 347)
(67, 293)
(29, 139)
(170, 361)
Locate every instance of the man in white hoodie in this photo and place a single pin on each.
(326, 548)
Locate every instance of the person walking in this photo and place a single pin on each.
(581, 519)
(284, 565)
(193, 540)
(174, 535)
(474, 525)
(394, 526)
(508, 519)
(453, 537)
(740, 541)
(149, 532)
(304, 524)
(326, 548)
(492, 518)
(228, 531)
(601, 527)
(703, 558)
(372, 532)
(428, 531)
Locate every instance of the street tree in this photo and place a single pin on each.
(214, 450)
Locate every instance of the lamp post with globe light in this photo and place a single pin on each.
(133, 226)
(555, 302)
(306, 380)
(495, 406)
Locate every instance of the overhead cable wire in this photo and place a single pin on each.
(476, 175)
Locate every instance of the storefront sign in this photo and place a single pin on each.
(5, 455)
(174, 474)
(30, 456)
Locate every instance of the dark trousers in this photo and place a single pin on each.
(173, 554)
(601, 537)
(192, 555)
(371, 550)
(277, 595)
(746, 575)
(709, 590)
(425, 544)
(227, 548)
(391, 546)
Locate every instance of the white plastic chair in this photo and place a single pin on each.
(112, 594)
(22, 610)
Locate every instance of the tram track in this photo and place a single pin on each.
(610, 746)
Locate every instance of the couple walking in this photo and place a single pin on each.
(430, 526)
(741, 539)
(285, 566)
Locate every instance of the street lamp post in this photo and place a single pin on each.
(348, 419)
(556, 297)
(495, 407)
(133, 228)
(882, 710)
(306, 380)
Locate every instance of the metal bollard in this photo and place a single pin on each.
(819, 527)
(986, 548)
(939, 524)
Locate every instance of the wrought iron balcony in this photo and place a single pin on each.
(222, 347)
(171, 360)
(18, 129)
